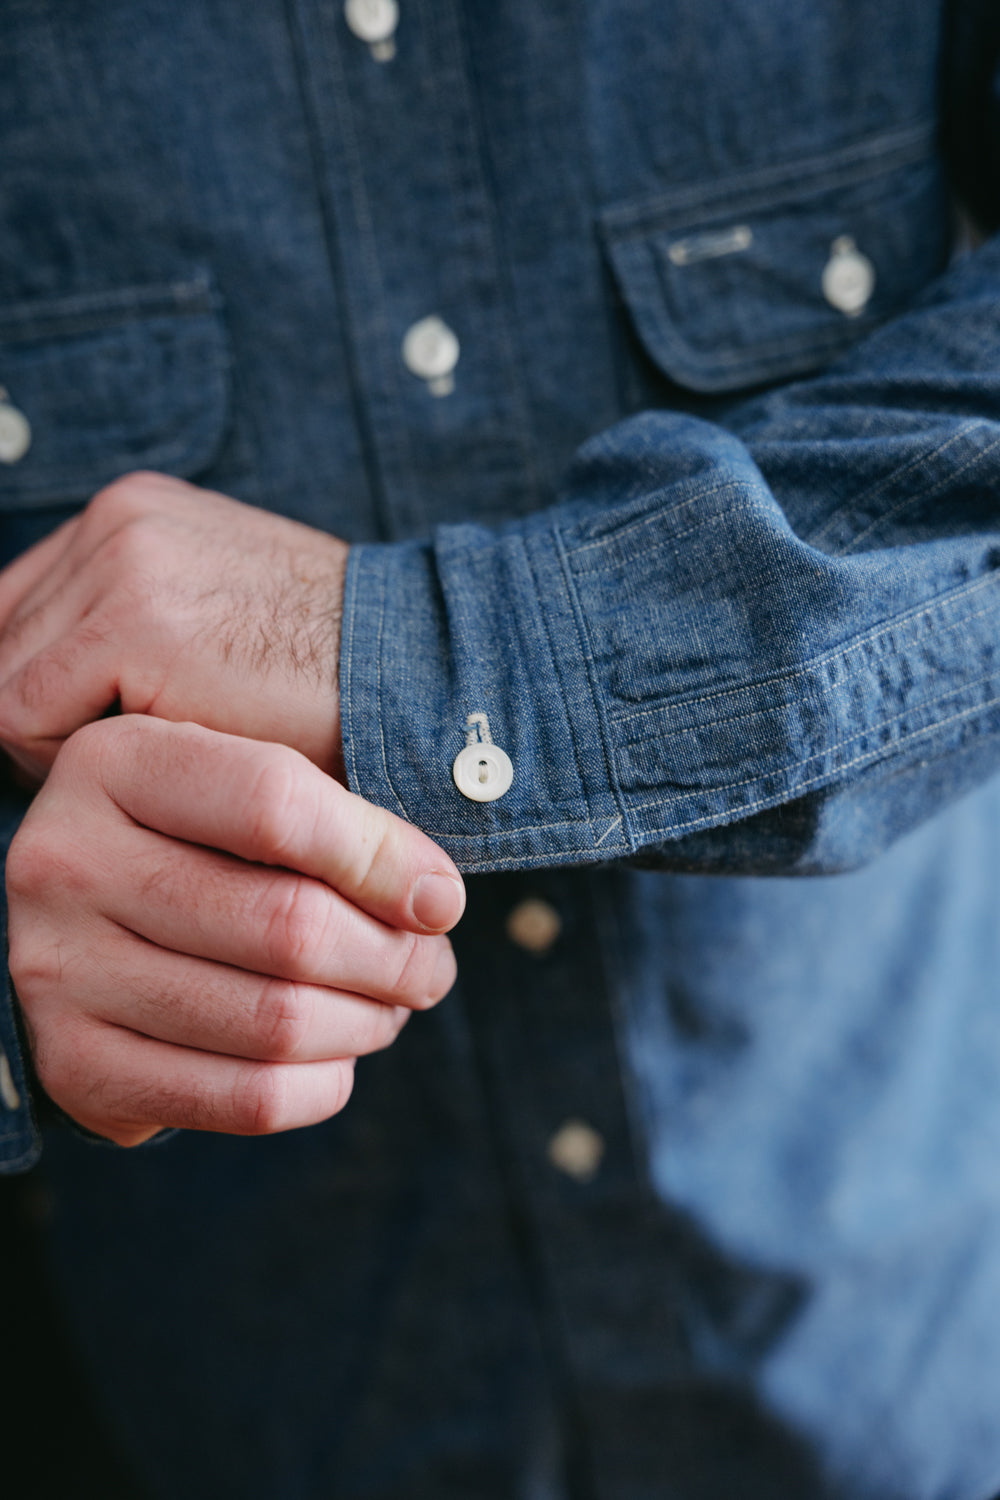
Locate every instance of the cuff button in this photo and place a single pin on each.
(482, 772)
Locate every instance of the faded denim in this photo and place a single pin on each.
(722, 565)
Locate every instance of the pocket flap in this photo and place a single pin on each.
(771, 274)
(108, 382)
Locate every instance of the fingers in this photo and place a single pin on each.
(167, 982)
(34, 570)
(211, 1007)
(59, 669)
(267, 804)
(57, 691)
(195, 901)
(127, 1087)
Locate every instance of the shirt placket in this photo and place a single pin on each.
(413, 245)
(443, 414)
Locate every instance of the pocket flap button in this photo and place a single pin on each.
(848, 277)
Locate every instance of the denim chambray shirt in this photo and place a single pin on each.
(691, 1189)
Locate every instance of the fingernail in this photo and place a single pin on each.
(438, 902)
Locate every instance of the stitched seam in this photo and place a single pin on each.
(607, 833)
(97, 310)
(378, 702)
(734, 814)
(842, 513)
(532, 861)
(882, 750)
(877, 634)
(671, 541)
(394, 438)
(763, 713)
(873, 728)
(761, 353)
(911, 500)
(577, 757)
(473, 161)
(586, 651)
(615, 535)
(494, 833)
(348, 700)
(882, 154)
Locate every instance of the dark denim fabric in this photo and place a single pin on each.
(721, 562)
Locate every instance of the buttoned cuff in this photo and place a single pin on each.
(662, 658)
(440, 633)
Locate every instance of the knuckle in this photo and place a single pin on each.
(129, 495)
(283, 1020)
(375, 846)
(33, 690)
(296, 927)
(131, 547)
(415, 961)
(30, 862)
(272, 807)
(87, 748)
(41, 861)
(35, 969)
(259, 1100)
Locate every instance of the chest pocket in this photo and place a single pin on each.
(770, 274)
(96, 385)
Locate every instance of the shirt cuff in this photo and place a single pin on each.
(436, 633)
(660, 658)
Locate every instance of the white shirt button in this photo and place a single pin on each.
(374, 22)
(482, 772)
(848, 277)
(15, 432)
(576, 1149)
(431, 350)
(534, 925)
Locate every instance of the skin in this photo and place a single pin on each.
(205, 929)
(164, 599)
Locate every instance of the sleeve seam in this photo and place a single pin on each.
(786, 771)
(587, 654)
(876, 635)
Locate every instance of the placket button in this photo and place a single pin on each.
(848, 277)
(15, 431)
(430, 351)
(374, 22)
(576, 1149)
(533, 925)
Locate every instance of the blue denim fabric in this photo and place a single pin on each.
(721, 562)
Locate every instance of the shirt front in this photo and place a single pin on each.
(623, 341)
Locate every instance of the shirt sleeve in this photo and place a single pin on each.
(769, 646)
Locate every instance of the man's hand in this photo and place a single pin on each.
(168, 600)
(205, 931)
